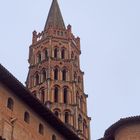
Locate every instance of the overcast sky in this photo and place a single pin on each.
(110, 43)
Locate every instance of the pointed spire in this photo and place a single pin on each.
(55, 18)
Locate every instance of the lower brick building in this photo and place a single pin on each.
(124, 129)
(24, 117)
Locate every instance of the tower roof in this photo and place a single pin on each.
(55, 18)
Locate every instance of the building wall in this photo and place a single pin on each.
(128, 132)
(12, 124)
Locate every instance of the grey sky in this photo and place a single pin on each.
(110, 43)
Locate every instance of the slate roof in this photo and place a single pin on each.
(110, 132)
(55, 18)
(24, 94)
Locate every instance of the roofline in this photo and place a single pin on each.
(110, 132)
(26, 96)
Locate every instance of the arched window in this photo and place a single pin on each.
(72, 55)
(56, 113)
(10, 104)
(37, 79)
(42, 95)
(75, 76)
(79, 79)
(79, 122)
(34, 93)
(81, 102)
(56, 94)
(85, 128)
(63, 54)
(65, 95)
(66, 117)
(53, 137)
(44, 75)
(26, 117)
(64, 75)
(39, 58)
(56, 74)
(46, 54)
(77, 98)
(41, 129)
(55, 53)
(76, 61)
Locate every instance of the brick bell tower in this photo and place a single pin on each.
(55, 77)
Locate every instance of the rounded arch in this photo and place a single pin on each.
(46, 53)
(79, 79)
(39, 57)
(63, 53)
(56, 73)
(10, 103)
(81, 102)
(72, 55)
(42, 94)
(78, 99)
(75, 76)
(41, 129)
(44, 74)
(27, 117)
(34, 93)
(64, 74)
(37, 81)
(85, 127)
(56, 93)
(56, 51)
(66, 95)
(79, 122)
(53, 137)
(57, 112)
(67, 114)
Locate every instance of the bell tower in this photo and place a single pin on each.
(55, 77)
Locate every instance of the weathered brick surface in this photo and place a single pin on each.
(128, 132)
(18, 129)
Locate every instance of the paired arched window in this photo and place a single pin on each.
(46, 54)
(42, 95)
(34, 93)
(27, 117)
(10, 104)
(79, 79)
(64, 75)
(55, 53)
(85, 128)
(79, 122)
(56, 90)
(72, 55)
(41, 129)
(63, 54)
(66, 117)
(56, 74)
(37, 79)
(56, 113)
(44, 75)
(53, 137)
(65, 92)
(39, 57)
(76, 61)
(75, 76)
(81, 102)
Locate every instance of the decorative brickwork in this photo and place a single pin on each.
(55, 76)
